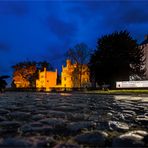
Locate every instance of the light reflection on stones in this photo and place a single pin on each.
(52, 119)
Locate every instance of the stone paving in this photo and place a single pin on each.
(72, 120)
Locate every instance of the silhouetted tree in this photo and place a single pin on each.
(116, 58)
(3, 83)
(44, 64)
(79, 54)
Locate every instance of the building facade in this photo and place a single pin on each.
(144, 46)
(47, 79)
(72, 76)
(75, 76)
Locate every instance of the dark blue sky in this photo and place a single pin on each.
(44, 30)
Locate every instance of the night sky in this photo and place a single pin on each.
(44, 30)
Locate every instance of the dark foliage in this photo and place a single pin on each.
(3, 83)
(44, 64)
(116, 58)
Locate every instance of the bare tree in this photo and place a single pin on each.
(79, 55)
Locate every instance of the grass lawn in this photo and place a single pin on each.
(123, 91)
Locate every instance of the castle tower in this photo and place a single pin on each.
(44, 69)
(68, 63)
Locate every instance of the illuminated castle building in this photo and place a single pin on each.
(47, 79)
(74, 75)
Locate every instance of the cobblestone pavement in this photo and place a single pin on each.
(72, 120)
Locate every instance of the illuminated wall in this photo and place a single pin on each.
(47, 79)
(74, 75)
(66, 75)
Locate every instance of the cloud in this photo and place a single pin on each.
(4, 47)
(18, 8)
(110, 16)
(135, 15)
(49, 28)
(61, 28)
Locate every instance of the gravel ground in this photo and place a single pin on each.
(59, 120)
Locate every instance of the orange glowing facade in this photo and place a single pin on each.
(72, 76)
(75, 76)
(47, 79)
